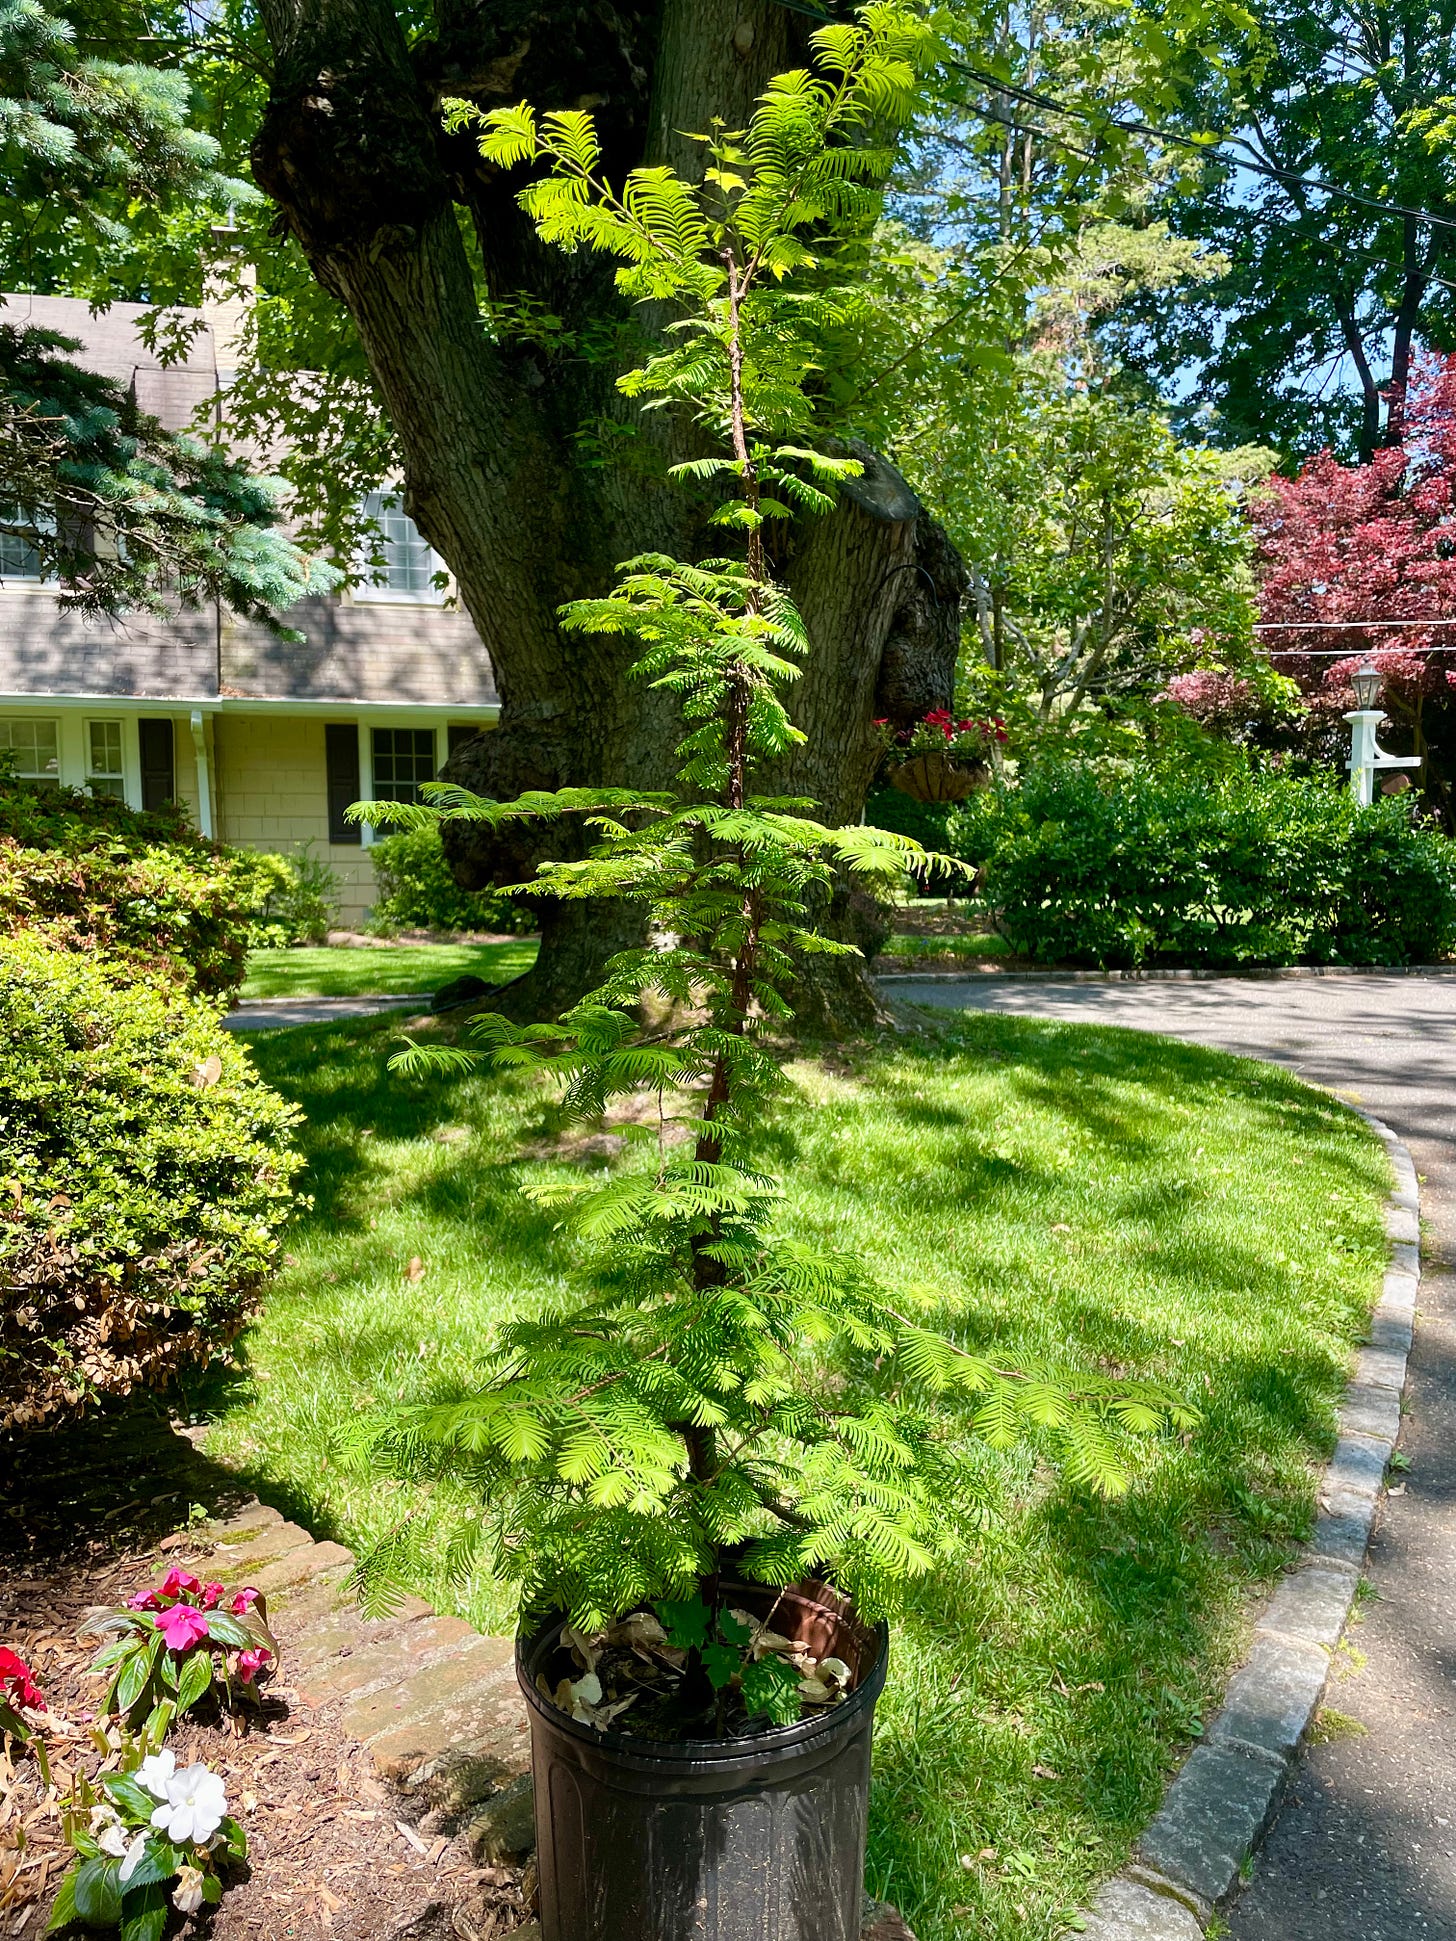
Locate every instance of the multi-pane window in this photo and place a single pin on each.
(104, 772)
(403, 759)
(19, 559)
(34, 748)
(410, 563)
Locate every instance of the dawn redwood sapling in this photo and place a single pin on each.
(724, 1392)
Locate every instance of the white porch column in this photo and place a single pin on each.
(204, 778)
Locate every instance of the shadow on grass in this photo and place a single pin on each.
(1053, 1201)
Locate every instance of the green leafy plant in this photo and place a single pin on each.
(145, 1829)
(723, 1395)
(147, 1175)
(1127, 862)
(159, 1649)
(141, 886)
(418, 891)
(300, 906)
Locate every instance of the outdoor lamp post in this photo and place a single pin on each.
(1366, 754)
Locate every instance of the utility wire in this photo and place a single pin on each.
(1310, 626)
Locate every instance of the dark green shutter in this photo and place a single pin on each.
(159, 766)
(341, 755)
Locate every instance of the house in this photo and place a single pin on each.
(266, 742)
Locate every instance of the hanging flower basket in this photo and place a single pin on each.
(936, 777)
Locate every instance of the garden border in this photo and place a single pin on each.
(1189, 1862)
(1164, 976)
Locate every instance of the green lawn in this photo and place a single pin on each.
(382, 970)
(983, 944)
(1055, 1192)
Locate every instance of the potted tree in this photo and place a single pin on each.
(712, 1475)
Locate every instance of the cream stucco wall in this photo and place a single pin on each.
(272, 793)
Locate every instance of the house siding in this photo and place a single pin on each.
(272, 790)
(262, 701)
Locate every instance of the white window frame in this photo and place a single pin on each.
(429, 728)
(13, 721)
(11, 581)
(375, 593)
(119, 774)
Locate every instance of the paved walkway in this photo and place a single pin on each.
(277, 1013)
(1365, 1849)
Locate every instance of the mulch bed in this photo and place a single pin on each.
(333, 1851)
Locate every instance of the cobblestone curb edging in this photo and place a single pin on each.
(1189, 1861)
(1163, 976)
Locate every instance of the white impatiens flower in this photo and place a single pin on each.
(134, 1855)
(156, 1773)
(188, 1894)
(194, 1808)
(107, 1830)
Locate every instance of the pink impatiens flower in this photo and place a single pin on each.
(210, 1594)
(148, 1600)
(182, 1627)
(251, 1662)
(177, 1581)
(244, 1600)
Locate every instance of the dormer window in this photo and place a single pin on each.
(409, 564)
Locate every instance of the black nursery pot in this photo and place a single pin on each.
(750, 1839)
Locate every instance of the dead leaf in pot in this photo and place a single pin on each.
(582, 1695)
(585, 1650)
(641, 1628)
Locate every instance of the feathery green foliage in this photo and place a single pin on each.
(695, 1404)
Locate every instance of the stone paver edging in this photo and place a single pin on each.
(1189, 1862)
(1267, 976)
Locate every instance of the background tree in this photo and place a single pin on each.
(123, 513)
(1307, 337)
(1345, 544)
(502, 428)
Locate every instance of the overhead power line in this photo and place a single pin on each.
(1310, 626)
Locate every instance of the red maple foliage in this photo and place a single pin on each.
(1360, 543)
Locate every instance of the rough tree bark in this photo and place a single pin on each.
(502, 440)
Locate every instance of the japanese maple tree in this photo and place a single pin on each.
(1352, 544)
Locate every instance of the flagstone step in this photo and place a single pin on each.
(432, 1699)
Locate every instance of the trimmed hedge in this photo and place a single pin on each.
(417, 891)
(95, 875)
(146, 1174)
(1145, 866)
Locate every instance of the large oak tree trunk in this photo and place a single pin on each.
(503, 439)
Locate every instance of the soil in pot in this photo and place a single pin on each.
(687, 1671)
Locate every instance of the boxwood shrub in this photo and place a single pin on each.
(1117, 866)
(145, 1176)
(417, 891)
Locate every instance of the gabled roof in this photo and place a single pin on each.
(377, 653)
